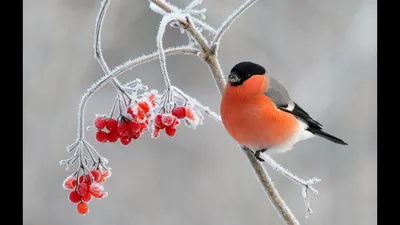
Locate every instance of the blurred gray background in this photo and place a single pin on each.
(324, 51)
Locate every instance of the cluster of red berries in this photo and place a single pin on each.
(169, 122)
(125, 129)
(88, 186)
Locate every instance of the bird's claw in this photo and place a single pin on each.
(257, 155)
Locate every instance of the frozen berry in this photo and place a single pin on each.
(82, 208)
(74, 197)
(134, 126)
(101, 136)
(87, 179)
(156, 132)
(100, 122)
(170, 131)
(135, 135)
(158, 122)
(112, 136)
(69, 183)
(112, 125)
(179, 112)
(96, 190)
(130, 111)
(141, 115)
(143, 127)
(176, 123)
(87, 197)
(106, 174)
(82, 189)
(144, 106)
(125, 140)
(168, 119)
(190, 114)
(96, 175)
(123, 130)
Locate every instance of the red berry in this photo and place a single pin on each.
(82, 189)
(134, 126)
(135, 135)
(158, 121)
(69, 183)
(100, 122)
(170, 131)
(123, 130)
(156, 132)
(125, 140)
(101, 136)
(87, 197)
(152, 97)
(144, 106)
(112, 125)
(112, 136)
(190, 114)
(96, 190)
(87, 180)
(143, 127)
(106, 174)
(179, 112)
(96, 175)
(168, 119)
(130, 111)
(141, 115)
(82, 208)
(74, 197)
(176, 123)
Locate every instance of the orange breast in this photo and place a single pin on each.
(254, 120)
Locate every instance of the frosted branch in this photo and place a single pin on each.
(228, 22)
(205, 25)
(276, 200)
(160, 34)
(305, 184)
(162, 5)
(98, 54)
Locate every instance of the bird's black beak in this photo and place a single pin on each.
(233, 78)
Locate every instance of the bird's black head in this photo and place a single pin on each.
(243, 71)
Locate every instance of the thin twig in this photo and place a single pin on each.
(98, 54)
(225, 25)
(161, 55)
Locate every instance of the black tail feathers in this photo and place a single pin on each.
(321, 133)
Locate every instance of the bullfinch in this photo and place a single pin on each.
(258, 113)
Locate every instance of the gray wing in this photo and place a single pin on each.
(280, 96)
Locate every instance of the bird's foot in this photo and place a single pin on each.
(257, 155)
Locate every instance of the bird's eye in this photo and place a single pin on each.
(249, 75)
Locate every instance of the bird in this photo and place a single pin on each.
(258, 113)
